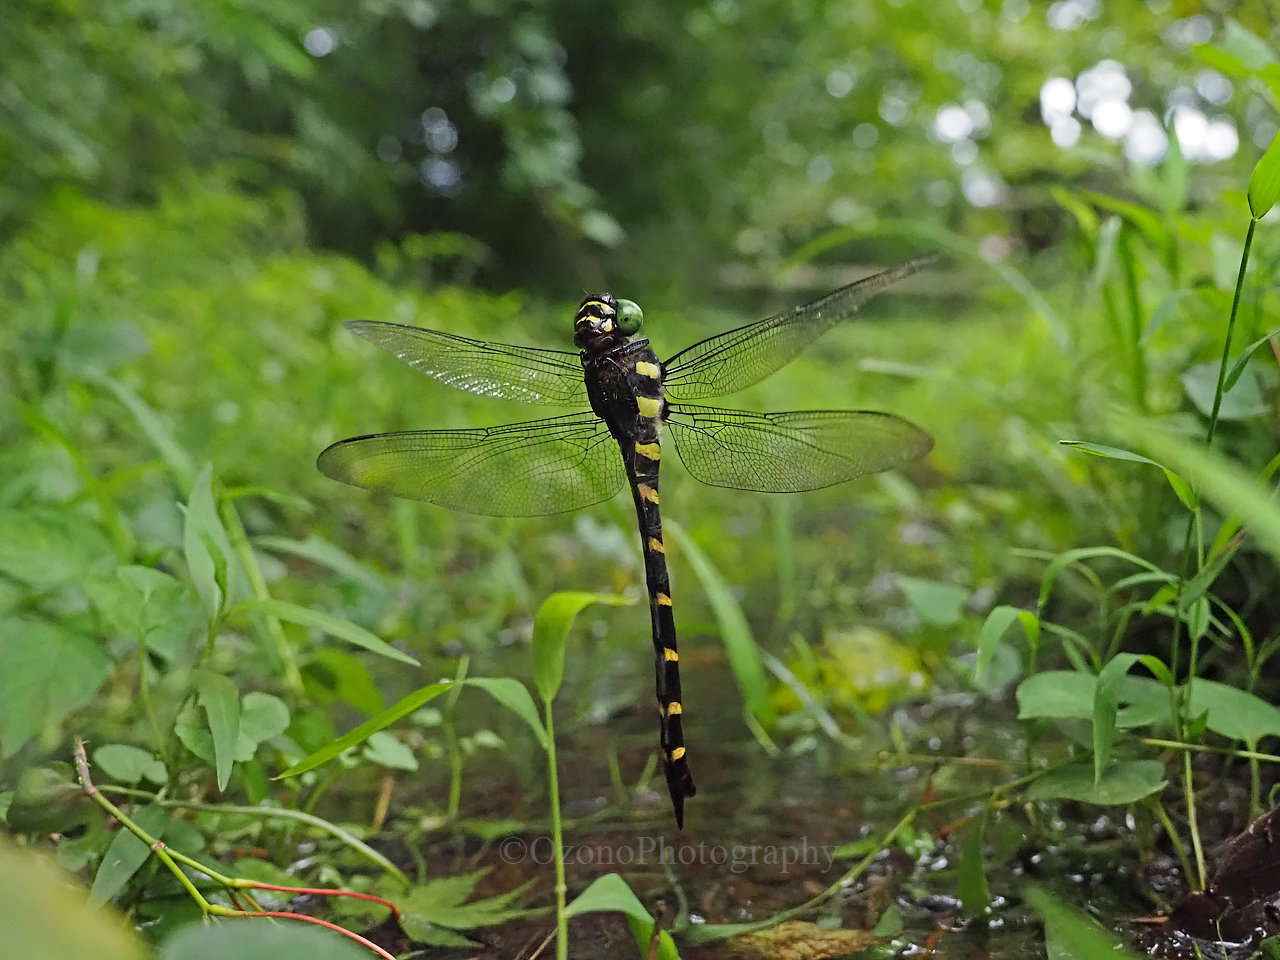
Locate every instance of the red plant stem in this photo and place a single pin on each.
(320, 892)
(316, 920)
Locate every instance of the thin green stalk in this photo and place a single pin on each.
(1173, 838)
(1206, 748)
(553, 783)
(278, 813)
(1231, 326)
(1188, 783)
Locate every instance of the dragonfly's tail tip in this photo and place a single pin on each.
(680, 784)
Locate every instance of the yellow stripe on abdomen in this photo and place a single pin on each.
(650, 450)
(649, 407)
(646, 369)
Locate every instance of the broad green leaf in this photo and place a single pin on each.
(129, 764)
(338, 627)
(1234, 713)
(221, 702)
(610, 893)
(1264, 184)
(46, 672)
(1057, 693)
(1070, 935)
(993, 630)
(513, 695)
(43, 914)
(144, 602)
(361, 733)
(44, 546)
(1126, 781)
(386, 750)
(1180, 486)
(1106, 705)
(971, 875)
(262, 716)
(126, 854)
(443, 903)
(1243, 401)
(253, 939)
(938, 604)
(739, 644)
(551, 628)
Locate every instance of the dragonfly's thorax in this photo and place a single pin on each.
(624, 385)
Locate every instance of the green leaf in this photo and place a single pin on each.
(247, 939)
(1180, 486)
(938, 604)
(126, 854)
(551, 628)
(221, 702)
(1126, 781)
(971, 876)
(1057, 693)
(262, 716)
(1264, 185)
(1221, 481)
(346, 676)
(1242, 361)
(1106, 704)
(338, 627)
(44, 546)
(177, 459)
(610, 893)
(43, 914)
(513, 695)
(46, 672)
(1070, 935)
(322, 552)
(128, 764)
(1243, 401)
(1234, 713)
(739, 644)
(442, 903)
(993, 630)
(1070, 557)
(361, 733)
(386, 750)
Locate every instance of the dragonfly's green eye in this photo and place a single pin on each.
(630, 318)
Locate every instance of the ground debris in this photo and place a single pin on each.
(798, 940)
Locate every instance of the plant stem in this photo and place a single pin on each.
(308, 818)
(553, 782)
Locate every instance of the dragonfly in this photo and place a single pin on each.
(632, 398)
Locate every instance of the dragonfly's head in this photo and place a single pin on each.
(603, 321)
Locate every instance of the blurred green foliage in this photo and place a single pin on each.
(195, 196)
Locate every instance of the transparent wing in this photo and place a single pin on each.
(794, 451)
(553, 377)
(735, 360)
(518, 470)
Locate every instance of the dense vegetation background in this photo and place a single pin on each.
(194, 196)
